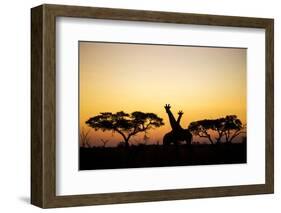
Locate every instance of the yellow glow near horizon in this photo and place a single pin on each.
(204, 82)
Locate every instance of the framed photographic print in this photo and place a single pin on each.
(136, 106)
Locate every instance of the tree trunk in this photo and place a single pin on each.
(219, 138)
(210, 139)
(126, 140)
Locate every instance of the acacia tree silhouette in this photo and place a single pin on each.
(127, 125)
(233, 127)
(228, 127)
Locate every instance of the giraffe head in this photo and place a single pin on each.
(167, 107)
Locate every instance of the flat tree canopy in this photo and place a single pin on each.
(127, 125)
(228, 128)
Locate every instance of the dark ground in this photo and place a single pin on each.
(159, 156)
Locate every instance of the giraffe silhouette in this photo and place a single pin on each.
(178, 133)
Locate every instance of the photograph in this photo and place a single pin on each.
(140, 105)
(155, 105)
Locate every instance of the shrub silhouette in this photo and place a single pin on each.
(127, 125)
(84, 138)
(104, 142)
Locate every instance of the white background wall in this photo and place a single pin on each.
(15, 105)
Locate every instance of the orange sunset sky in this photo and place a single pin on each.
(203, 82)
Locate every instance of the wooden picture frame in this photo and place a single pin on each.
(43, 105)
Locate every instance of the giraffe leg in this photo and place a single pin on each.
(168, 139)
(188, 138)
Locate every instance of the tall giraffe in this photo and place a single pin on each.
(178, 133)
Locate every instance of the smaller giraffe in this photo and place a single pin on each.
(180, 113)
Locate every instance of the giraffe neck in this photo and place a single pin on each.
(172, 120)
(179, 119)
